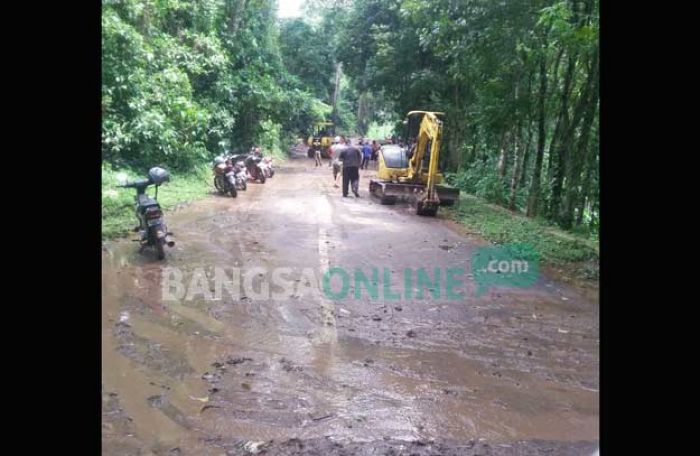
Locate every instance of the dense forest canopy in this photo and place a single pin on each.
(183, 80)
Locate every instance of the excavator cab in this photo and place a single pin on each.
(410, 169)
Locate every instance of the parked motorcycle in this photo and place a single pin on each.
(225, 176)
(255, 171)
(240, 170)
(266, 165)
(241, 176)
(152, 229)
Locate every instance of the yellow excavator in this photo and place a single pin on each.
(414, 173)
(321, 139)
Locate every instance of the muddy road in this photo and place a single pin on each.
(514, 371)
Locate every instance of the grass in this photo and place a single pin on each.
(498, 225)
(118, 216)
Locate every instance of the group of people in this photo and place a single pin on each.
(348, 159)
(369, 152)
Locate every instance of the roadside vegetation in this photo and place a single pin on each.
(573, 256)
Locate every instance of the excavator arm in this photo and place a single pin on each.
(428, 141)
(427, 132)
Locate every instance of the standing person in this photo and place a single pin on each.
(352, 158)
(335, 150)
(336, 171)
(366, 154)
(317, 156)
(375, 150)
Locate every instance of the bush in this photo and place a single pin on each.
(481, 179)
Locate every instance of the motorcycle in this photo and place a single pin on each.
(225, 176)
(152, 229)
(266, 165)
(252, 164)
(241, 176)
(240, 170)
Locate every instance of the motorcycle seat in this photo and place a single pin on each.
(146, 201)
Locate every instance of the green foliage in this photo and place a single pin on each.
(500, 226)
(481, 179)
(270, 140)
(380, 131)
(184, 79)
(308, 55)
(309, 51)
(150, 114)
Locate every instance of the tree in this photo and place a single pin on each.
(509, 75)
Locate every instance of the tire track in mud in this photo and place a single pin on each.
(328, 332)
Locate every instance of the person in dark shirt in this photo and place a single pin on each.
(351, 158)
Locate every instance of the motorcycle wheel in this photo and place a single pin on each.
(233, 191)
(160, 250)
(244, 185)
(262, 178)
(219, 184)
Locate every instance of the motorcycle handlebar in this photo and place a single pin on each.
(142, 183)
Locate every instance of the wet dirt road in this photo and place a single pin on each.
(514, 371)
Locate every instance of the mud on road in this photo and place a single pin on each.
(514, 371)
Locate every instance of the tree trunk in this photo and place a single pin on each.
(561, 146)
(517, 154)
(454, 151)
(517, 160)
(526, 156)
(475, 147)
(575, 162)
(572, 193)
(336, 93)
(502, 157)
(236, 16)
(585, 190)
(550, 160)
(526, 150)
(534, 195)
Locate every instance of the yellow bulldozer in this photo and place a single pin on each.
(321, 139)
(412, 171)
